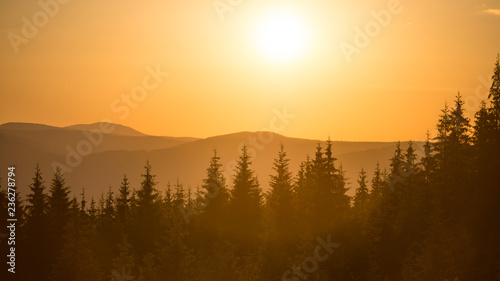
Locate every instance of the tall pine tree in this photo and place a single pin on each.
(246, 205)
(36, 230)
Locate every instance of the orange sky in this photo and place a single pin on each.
(85, 55)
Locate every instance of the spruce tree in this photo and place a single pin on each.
(123, 204)
(58, 213)
(361, 199)
(245, 205)
(215, 201)
(147, 217)
(280, 197)
(303, 195)
(170, 257)
(494, 95)
(36, 230)
(147, 194)
(108, 231)
(321, 188)
(397, 165)
(93, 213)
(76, 260)
(280, 216)
(377, 184)
(359, 228)
(486, 147)
(428, 162)
(454, 160)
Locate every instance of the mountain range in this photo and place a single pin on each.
(95, 158)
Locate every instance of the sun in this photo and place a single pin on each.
(282, 36)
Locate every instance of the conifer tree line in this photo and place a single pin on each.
(435, 217)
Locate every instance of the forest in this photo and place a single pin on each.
(435, 217)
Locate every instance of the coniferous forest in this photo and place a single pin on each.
(435, 217)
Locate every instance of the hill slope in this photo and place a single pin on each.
(185, 159)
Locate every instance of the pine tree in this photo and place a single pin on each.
(147, 217)
(76, 260)
(303, 195)
(280, 197)
(58, 213)
(37, 200)
(486, 147)
(441, 140)
(336, 180)
(377, 185)
(109, 208)
(324, 206)
(412, 226)
(170, 258)
(107, 231)
(376, 224)
(36, 231)
(330, 160)
(494, 95)
(168, 199)
(398, 172)
(359, 228)
(321, 188)
(83, 202)
(454, 158)
(179, 202)
(361, 199)
(362, 202)
(341, 202)
(425, 204)
(147, 194)
(446, 182)
(387, 227)
(123, 204)
(280, 216)
(460, 125)
(245, 205)
(92, 213)
(428, 163)
(215, 201)
(59, 202)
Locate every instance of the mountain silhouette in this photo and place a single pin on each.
(125, 150)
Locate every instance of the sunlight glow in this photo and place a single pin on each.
(282, 36)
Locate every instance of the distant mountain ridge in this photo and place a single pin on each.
(19, 126)
(125, 151)
(118, 129)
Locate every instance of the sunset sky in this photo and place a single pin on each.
(230, 70)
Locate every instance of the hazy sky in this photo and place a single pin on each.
(79, 62)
